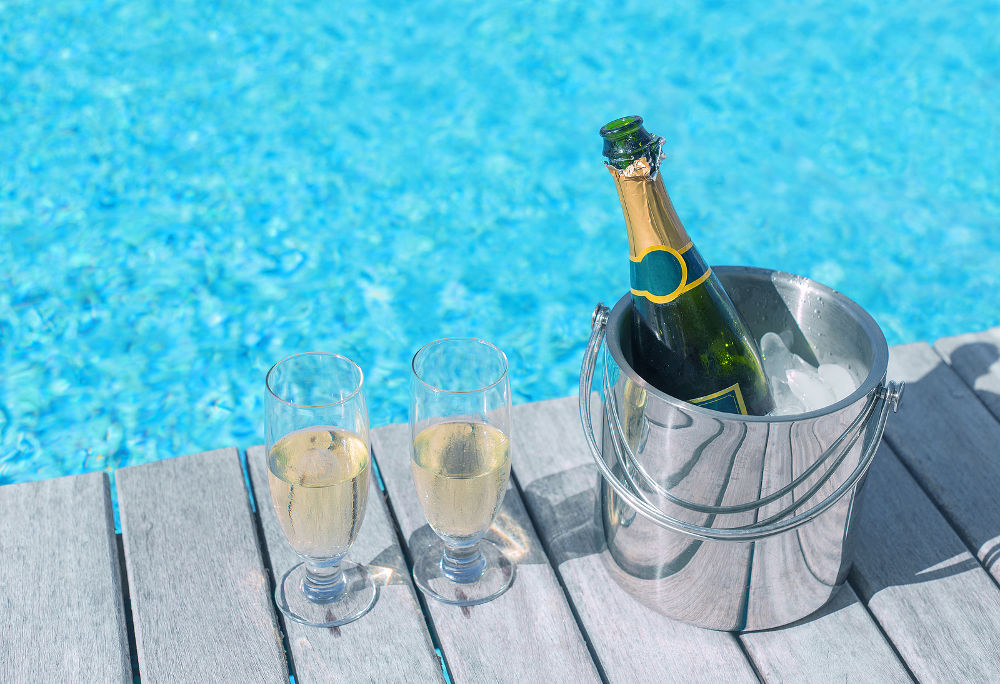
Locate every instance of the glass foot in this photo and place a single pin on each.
(358, 597)
(498, 575)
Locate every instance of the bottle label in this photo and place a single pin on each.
(662, 274)
(729, 400)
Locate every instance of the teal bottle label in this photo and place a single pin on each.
(729, 400)
(662, 274)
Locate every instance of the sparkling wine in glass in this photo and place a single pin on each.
(460, 460)
(318, 462)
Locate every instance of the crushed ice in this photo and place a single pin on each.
(798, 386)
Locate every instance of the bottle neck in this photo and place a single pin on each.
(650, 218)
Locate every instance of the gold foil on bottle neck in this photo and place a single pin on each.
(650, 217)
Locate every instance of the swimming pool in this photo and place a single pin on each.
(190, 191)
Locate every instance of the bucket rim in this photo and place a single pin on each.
(876, 374)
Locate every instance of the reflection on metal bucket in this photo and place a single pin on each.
(737, 522)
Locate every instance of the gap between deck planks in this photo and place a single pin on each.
(528, 633)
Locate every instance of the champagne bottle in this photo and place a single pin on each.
(688, 340)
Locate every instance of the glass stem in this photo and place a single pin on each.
(324, 581)
(463, 564)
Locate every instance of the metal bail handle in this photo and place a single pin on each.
(831, 458)
(885, 396)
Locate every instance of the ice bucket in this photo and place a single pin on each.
(736, 522)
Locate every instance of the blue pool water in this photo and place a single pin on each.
(190, 191)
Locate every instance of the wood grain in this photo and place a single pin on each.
(528, 633)
(633, 642)
(391, 642)
(976, 359)
(950, 441)
(200, 602)
(61, 610)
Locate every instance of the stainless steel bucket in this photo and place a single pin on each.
(737, 522)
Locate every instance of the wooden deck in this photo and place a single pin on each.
(183, 594)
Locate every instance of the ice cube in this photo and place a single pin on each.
(778, 359)
(785, 402)
(838, 379)
(810, 389)
(770, 341)
(797, 386)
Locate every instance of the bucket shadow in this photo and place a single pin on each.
(901, 539)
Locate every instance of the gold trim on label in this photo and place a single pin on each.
(703, 278)
(657, 299)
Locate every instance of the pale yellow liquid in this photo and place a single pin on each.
(319, 486)
(460, 471)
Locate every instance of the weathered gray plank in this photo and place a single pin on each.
(200, 602)
(976, 358)
(934, 601)
(951, 443)
(526, 634)
(633, 642)
(61, 610)
(838, 643)
(390, 643)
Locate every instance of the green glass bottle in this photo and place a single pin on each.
(688, 339)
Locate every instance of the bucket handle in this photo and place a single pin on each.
(627, 459)
(886, 396)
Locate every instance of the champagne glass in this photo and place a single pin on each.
(460, 460)
(318, 460)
